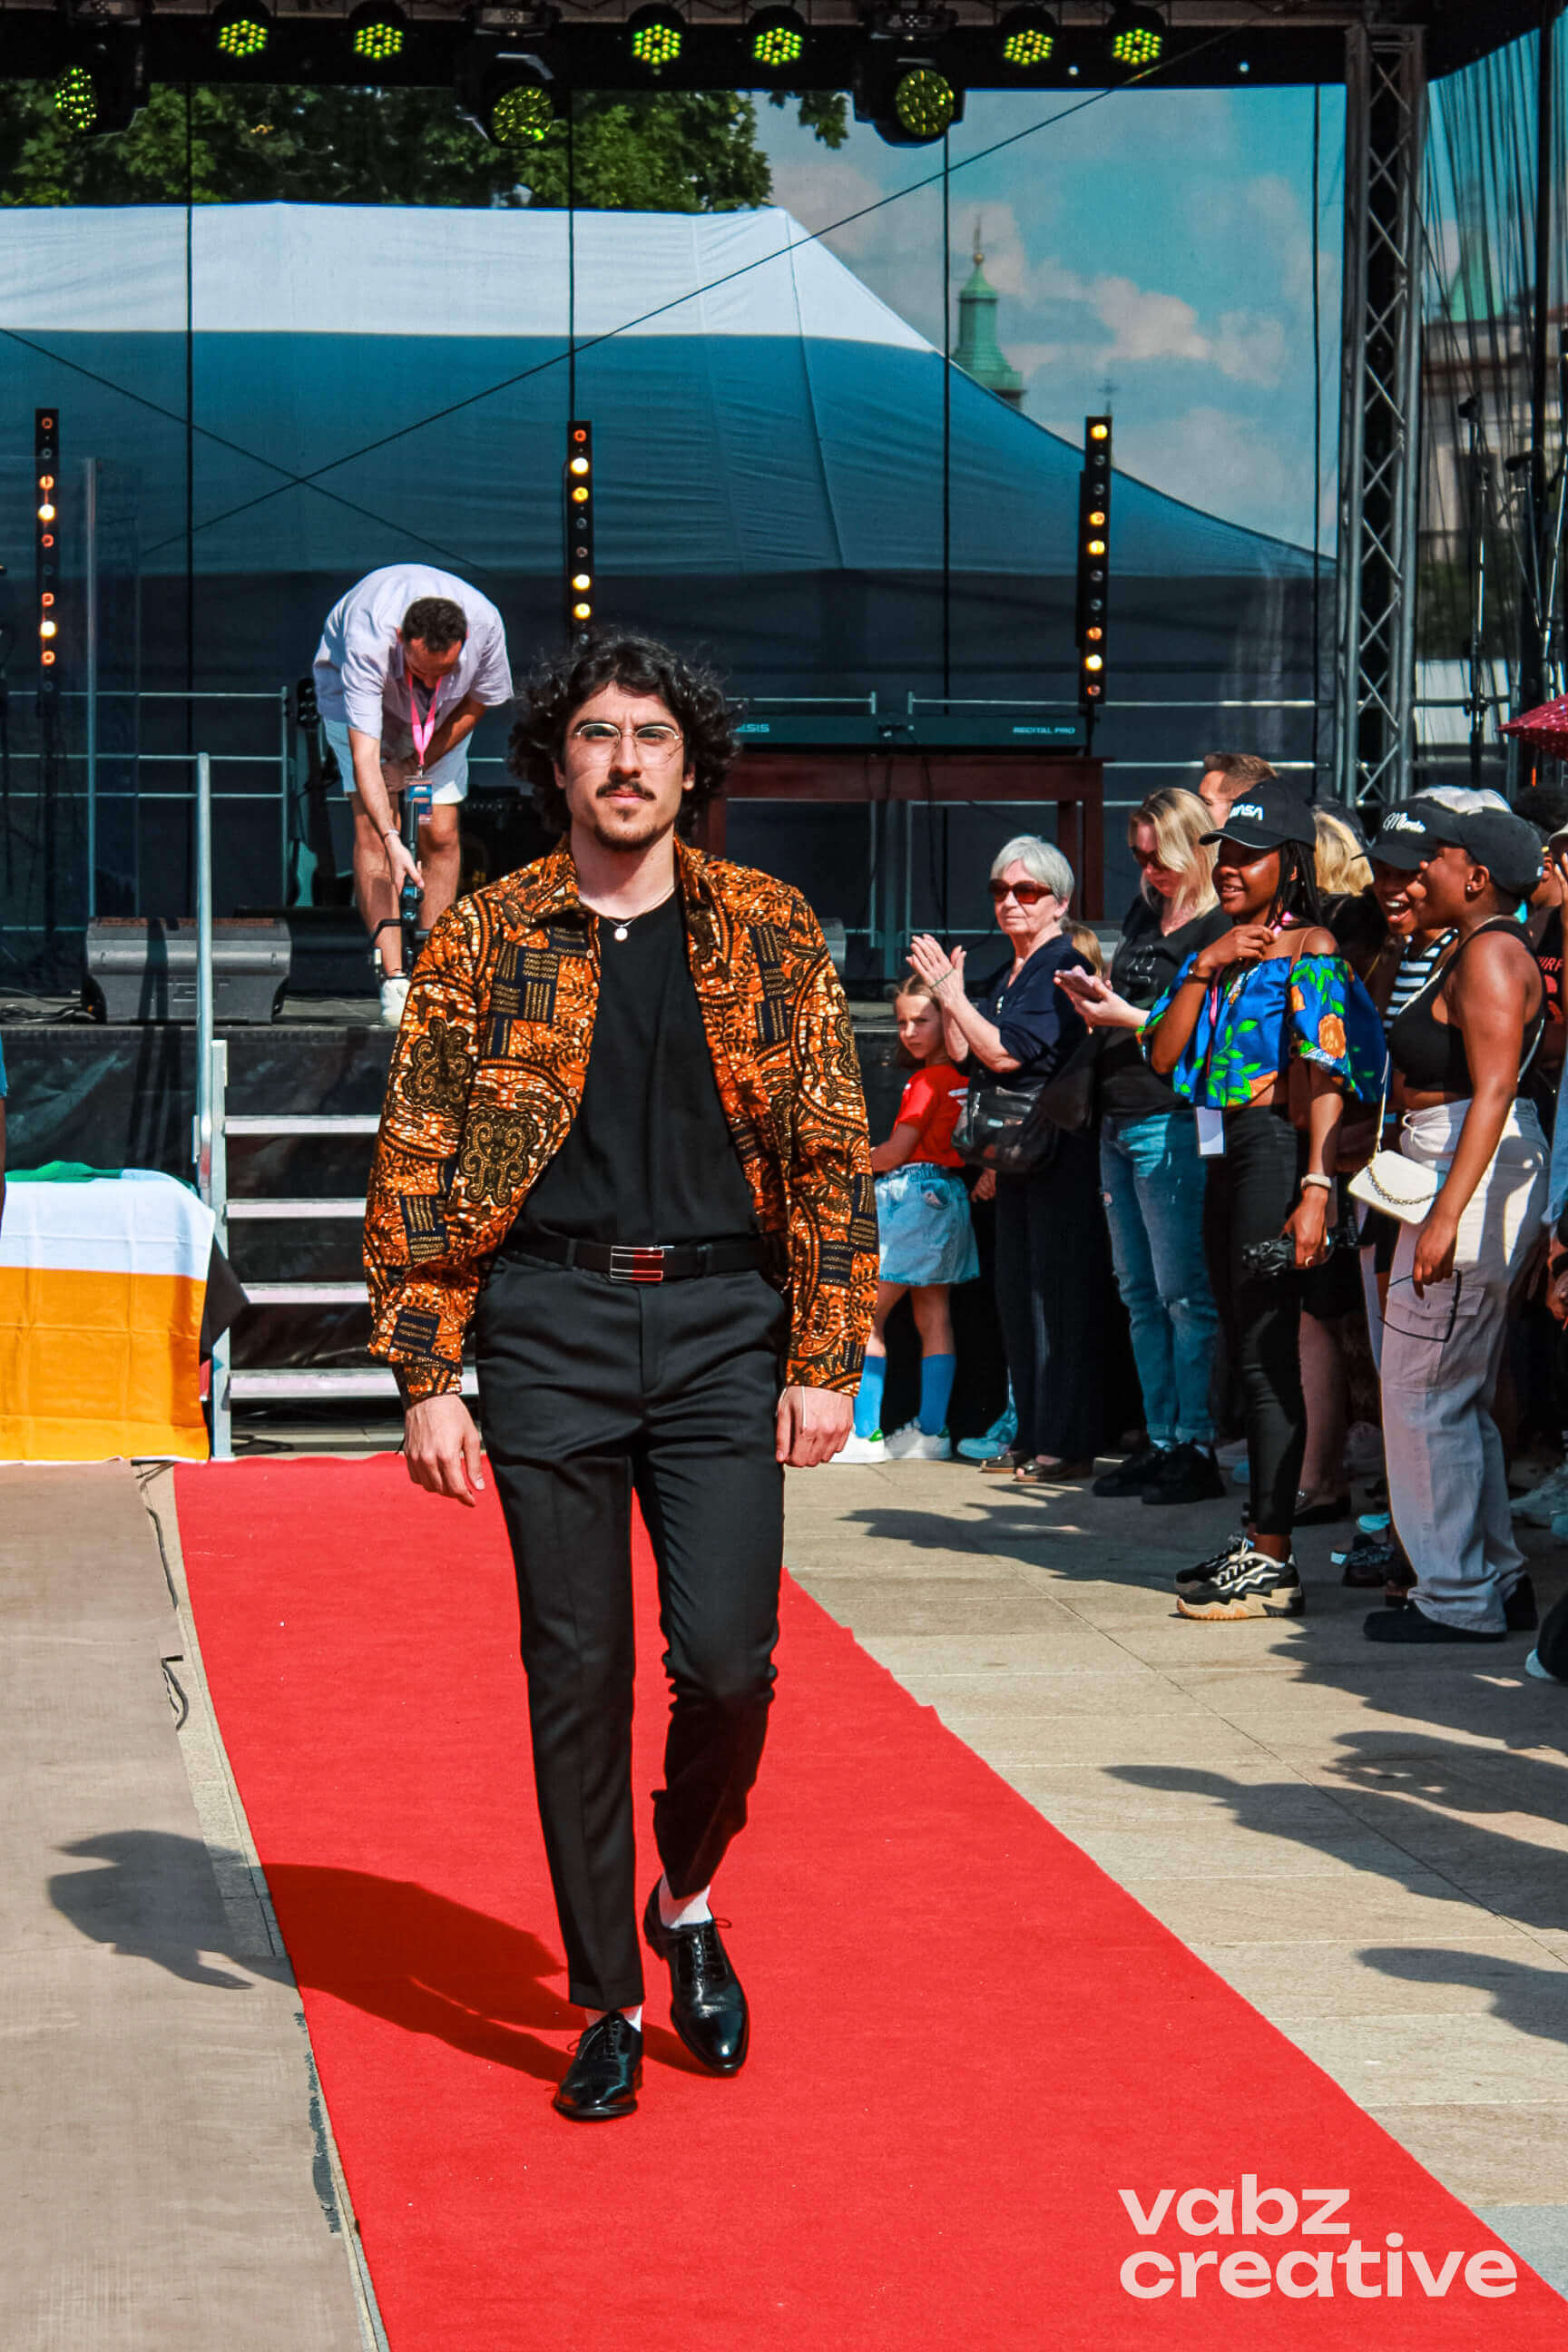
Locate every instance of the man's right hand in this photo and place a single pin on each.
(400, 864)
(441, 1446)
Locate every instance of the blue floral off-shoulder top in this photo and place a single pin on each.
(1259, 1016)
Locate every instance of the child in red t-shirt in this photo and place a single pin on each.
(927, 1239)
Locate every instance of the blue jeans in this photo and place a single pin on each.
(1154, 1185)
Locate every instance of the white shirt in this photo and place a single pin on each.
(360, 678)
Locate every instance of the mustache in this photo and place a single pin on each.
(622, 784)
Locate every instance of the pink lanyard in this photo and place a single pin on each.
(421, 738)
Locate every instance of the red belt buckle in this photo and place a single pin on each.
(637, 1264)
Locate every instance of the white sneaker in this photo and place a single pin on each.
(393, 997)
(862, 1449)
(1540, 1506)
(911, 1444)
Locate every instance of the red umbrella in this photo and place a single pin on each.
(1542, 729)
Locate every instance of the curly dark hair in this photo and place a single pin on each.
(689, 691)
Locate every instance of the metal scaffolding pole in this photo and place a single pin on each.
(1379, 391)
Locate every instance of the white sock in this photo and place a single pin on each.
(683, 1910)
(632, 2016)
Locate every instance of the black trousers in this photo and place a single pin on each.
(1252, 1190)
(1053, 1271)
(592, 1391)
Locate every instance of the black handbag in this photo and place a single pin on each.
(1068, 1099)
(1003, 1128)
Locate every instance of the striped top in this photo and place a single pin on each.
(1415, 968)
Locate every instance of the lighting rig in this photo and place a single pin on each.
(45, 547)
(578, 534)
(909, 63)
(1093, 567)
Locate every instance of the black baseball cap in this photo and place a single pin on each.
(1265, 817)
(1405, 837)
(1507, 847)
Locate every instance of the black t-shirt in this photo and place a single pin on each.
(1038, 1024)
(1146, 962)
(649, 1157)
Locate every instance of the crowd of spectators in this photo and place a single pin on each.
(1306, 1115)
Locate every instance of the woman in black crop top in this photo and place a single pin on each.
(1460, 1049)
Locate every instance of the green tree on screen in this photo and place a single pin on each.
(667, 150)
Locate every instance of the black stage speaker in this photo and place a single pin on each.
(143, 968)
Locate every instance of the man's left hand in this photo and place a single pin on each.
(812, 1426)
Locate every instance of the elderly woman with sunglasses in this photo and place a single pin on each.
(1052, 1263)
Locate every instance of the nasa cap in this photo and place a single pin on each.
(1265, 817)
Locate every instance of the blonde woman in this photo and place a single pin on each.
(1152, 1176)
(1344, 869)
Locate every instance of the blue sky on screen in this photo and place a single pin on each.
(1160, 240)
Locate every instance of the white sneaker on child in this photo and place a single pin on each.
(911, 1444)
(862, 1449)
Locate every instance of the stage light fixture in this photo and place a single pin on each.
(775, 39)
(656, 37)
(521, 115)
(1027, 38)
(240, 30)
(76, 100)
(1136, 35)
(102, 87)
(1093, 565)
(378, 32)
(577, 524)
(904, 84)
(45, 562)
(505, 82)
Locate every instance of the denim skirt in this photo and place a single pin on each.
(922, 1211)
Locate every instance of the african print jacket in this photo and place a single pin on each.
(489, 1071)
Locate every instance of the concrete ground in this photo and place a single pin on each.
(1372, 1846)
(1369, 1847)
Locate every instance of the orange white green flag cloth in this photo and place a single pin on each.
(102, 1283)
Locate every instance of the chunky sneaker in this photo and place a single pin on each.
(863, 1449)
(1538, 1508)
(393, 997)
(993, 1443)
(1187, 1473)
(1249, 1584)
(1131, 1477)
(1188, 1579)
(911, 1444)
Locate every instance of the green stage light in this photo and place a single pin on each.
(775, 39)
(1028, 37)
(656, 36)
(925, 104)
(1137, 36)
(378, 32)
(522, 115)
(76, 100)
(240, 31)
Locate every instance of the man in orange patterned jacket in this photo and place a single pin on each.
(624, 1139)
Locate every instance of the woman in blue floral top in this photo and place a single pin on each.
(1267, 1011)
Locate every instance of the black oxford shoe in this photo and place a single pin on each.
(606, 2072)
(707, 2006)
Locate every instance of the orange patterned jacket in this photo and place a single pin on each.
(488, 1070)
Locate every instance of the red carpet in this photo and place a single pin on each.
(967, 2039)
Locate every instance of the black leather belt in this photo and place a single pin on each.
(625, 1262)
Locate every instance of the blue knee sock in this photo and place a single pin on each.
(936, 1389)
(868, 1399)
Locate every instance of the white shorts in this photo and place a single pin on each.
(449, 774)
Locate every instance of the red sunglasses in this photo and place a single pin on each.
(1027, 894)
